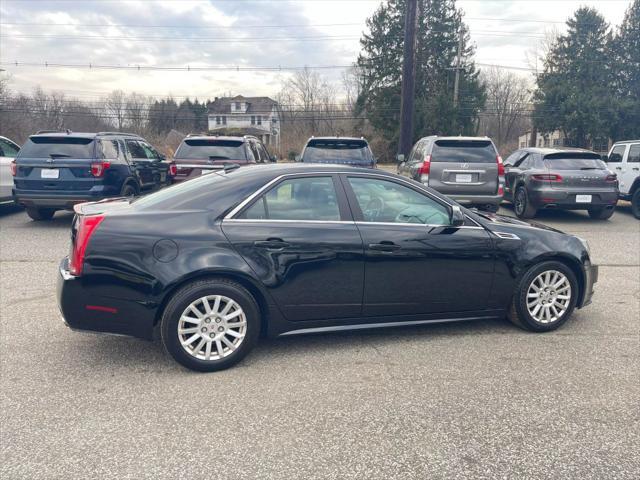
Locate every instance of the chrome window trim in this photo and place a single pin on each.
(422, 225)
(268, 185)
(268, 220)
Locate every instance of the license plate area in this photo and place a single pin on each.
(464, 178)
(49, 173)
(583, 198)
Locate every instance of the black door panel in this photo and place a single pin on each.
(415, 269)
(312, 270)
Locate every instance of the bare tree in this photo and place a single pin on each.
(506, 113)
(136, 107)
(116, 105)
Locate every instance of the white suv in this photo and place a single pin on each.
(624, 161)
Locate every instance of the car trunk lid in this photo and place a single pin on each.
(578, 171)
(464, 166)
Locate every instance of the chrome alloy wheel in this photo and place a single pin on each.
(548, 296)
(520, 202)
(212, 327)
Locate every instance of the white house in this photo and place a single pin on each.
(253, 115)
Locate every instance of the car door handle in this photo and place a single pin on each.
(384, 247)
(271, 244)
(618, 168)
(635, 168)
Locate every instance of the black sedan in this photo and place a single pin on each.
(217, 261)
(548, 178)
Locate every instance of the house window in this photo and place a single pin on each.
(259, 119)
(218, 120)
(224, 120)
(253, 120)
(556, 142)
(237, 105)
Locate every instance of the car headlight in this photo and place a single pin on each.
(585, 244)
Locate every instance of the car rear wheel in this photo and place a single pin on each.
(39, 214)
(210, 325)
(522, 205)
(544, 297)
(128, 190)
(601, 213)
(635, 204)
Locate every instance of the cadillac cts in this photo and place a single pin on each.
(220, 260)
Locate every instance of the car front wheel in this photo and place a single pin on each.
(544, 297)
(601, 213)
(39, 214)
(522, 205)
(210, 325)
(635, 204)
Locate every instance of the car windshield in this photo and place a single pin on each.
(211, 149)
(338, 151)
(574, 161)
(463, 151)
(58, 147)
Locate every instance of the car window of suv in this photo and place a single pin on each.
(7, 149)
(634, 153)
(252, 155)
(387, 201)
(149, 151)
(513, 158)
(110, 150)
(308, 198)
(264, 155)
(520, 162)
(135, 149)
(616, 154)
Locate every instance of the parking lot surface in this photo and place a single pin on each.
(476, 399)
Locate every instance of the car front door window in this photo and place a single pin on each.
(389, 202)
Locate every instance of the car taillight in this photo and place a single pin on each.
(500, 166)
(173, 169)
(98, 168)
(14, 168)
(424, 170)
(85, 227)
(611, 178)
(500, 190)
(547, 177)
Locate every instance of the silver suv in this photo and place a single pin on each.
(467, 169)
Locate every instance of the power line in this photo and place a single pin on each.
(237, 68)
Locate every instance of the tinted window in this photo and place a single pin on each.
(463, 151)
(616, 154)
(58, 147)
(337, 151)
(149, 151)
(212, 149)
(185, 193)
(574, 161)
(634, 153)
(511, 159)
(310, 198)
(110, 149)
(135, 149)
(385, 201)
(8, 149)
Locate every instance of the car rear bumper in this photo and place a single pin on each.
(476, 199)
(83, 308)
(55, 200)
(550, 198)
(590, 278)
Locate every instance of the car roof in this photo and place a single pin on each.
(362, 139)
(437, 137)
(626, 141)
(278, 169)
(218, 137)
(549, 151)
(91, 135)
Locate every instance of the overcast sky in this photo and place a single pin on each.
(233, 32)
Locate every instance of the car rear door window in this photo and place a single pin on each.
(463, 151)
(389, 202)
(634, 153)
(8, 149)
(135, 149)
(307, 198)
(58, 147)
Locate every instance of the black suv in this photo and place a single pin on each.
(56, 170)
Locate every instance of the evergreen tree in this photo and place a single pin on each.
(627, 71)
(380, 62)
(575, 93)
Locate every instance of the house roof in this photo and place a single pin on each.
(259, 105)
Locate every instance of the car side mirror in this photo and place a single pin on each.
(605, 158)
(400, 158)
(457, 216)
(162, 156)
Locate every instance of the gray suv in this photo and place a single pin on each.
(467, 169)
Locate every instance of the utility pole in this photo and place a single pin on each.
(456, 85)
(408, 78)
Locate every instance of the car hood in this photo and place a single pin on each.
(491, 219)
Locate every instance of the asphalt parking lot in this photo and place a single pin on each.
(482, 400)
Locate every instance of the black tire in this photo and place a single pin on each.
(521, 204)
(40, 214)
(491, 208)
(601, 213)
(128, 190)
(519, 314)
(635, 203)
(191, 293)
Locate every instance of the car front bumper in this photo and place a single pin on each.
(590, 279)
(85, 308)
